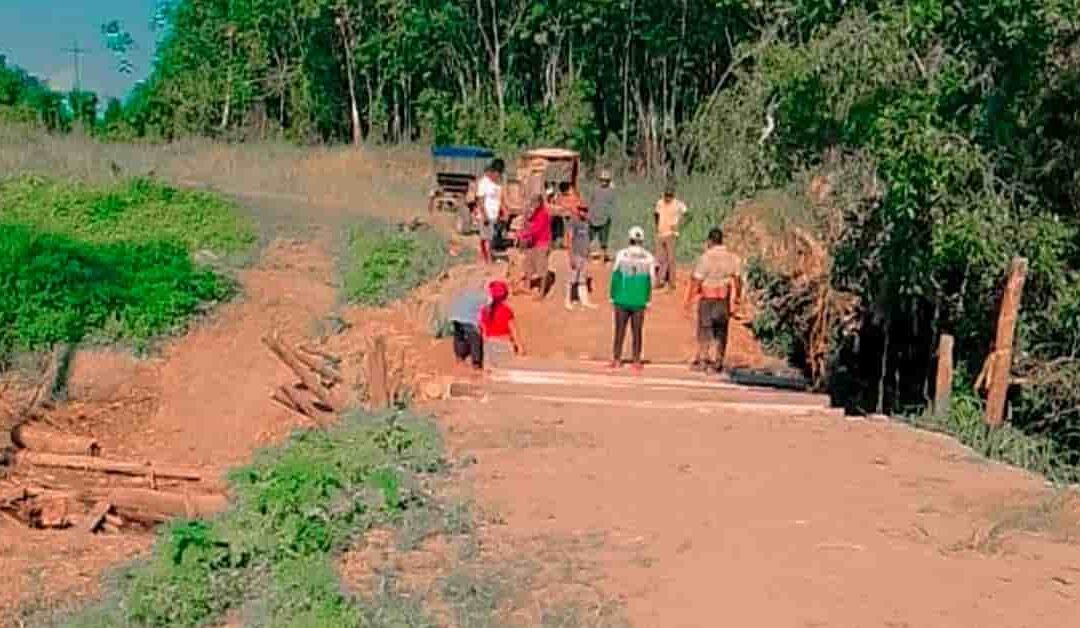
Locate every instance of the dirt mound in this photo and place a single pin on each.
(798, 292)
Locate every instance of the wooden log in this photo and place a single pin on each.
(104, 465)
(148, 506)
(1003, 342)
(30, 435)
(96, 516)
(323, 371)
(377, 370)
(306, 377)
(332, 359)
(297, 399)
(943, 382)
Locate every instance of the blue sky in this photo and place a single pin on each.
(34, 32)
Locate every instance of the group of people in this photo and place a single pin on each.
(485, 330)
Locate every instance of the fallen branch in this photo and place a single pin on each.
(37, 438)
(104, 465)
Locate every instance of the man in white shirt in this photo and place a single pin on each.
(489, 194)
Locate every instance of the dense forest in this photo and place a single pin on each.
(949, 132)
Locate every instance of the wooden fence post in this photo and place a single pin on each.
(944, 381)
(1003, 342)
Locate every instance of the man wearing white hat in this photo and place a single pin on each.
(632, 277)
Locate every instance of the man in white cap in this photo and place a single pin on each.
(632, 278)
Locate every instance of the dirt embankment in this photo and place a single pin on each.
(203, 402)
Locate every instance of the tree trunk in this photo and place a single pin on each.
(149, 506)
(354, 109)
(104, 465)
(37, 438)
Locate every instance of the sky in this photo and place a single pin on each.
(33, 34)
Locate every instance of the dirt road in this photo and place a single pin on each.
(721, 517)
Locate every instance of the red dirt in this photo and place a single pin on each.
(204, 400)
(706, 519)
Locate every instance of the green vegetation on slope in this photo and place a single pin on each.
(78, 261)
(384, 264)
(294, 508)
(135, 210)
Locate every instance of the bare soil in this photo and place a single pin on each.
(684, 518)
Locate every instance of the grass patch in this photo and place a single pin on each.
(111, 262)
(136, 210)
(295, 508)
(385, 263)
(1006, 444)
(57, 289)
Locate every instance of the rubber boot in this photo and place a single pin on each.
(569, 305)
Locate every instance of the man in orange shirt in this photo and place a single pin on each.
(669, 211)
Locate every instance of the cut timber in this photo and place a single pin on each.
(294, 398)
(944, 380)
(104, 465)
(323, 371)
(749, 407)
(332, 359)
(96, 516)
(1003, 342)
(289, 359)
(377, 369)
(148, 506)
(29, 435)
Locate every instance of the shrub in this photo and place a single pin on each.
(57, 289)
(295, 506)
(384, 264)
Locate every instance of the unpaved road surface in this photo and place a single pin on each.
(723, 517)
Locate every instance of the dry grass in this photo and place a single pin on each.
(388, 182)
(1055, 517)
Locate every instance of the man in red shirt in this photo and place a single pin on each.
(537, 243)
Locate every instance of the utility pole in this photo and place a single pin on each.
(75, 97)
(76, 52)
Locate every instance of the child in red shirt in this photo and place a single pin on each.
(501, 336)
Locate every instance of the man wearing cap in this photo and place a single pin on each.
(717, 284)
(632, 277)
(601, 210)
(669, 211)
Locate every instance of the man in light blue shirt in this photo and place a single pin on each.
(465, 318)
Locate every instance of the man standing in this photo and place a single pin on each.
(537, 243)
(632, 277)
(577, 245)
(717, 284)
(601, 210)
(669, 211)
(489, 192)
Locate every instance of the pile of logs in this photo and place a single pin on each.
(152, 494)
(317, 373)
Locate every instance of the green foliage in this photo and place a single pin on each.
(58, 289)
(134, 210)
(965, 420)
(294, 507)
(384, 264)
(78, 261)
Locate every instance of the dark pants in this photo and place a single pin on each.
(601, 234)
(712, 332)
(468, 343)
(636, 318)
